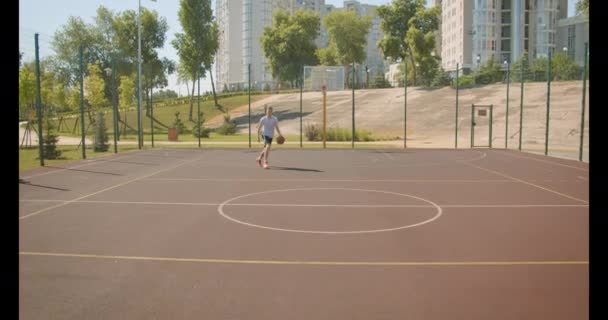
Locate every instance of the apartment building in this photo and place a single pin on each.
(456, 34)
(572, 34)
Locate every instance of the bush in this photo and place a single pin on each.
(267, 87)
(204, 131)
(312, 132)
(381, 82)
(178, 124)
(101, 134)
(49, 142)
(228, 128)
(464, 82)
(441, 79)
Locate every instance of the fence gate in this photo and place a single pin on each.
(481, 126)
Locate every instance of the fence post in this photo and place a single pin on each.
(405, 104)
(353, 86)
(548, 105)
(39, 103)
(301, 89)
(83, 142)
(114, 116)
(521, 100)
(507, 115)
(151, 116)
(249, 96)
(456, 130)
(198, 110)
(580, 152)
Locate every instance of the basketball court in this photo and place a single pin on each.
(322, 234)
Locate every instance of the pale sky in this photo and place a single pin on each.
(45, 17)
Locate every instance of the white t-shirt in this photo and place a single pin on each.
(269, 125)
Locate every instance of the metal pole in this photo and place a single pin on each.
(139, 111)
(507, 116)
(114, 113)
(324, 116)
(301, 89)
(367, 78)
(152, 116)
(456, 130)
(83, 141)
(472, 125)
(405, 105)
(198, 110)
(580, 152)
(353, 87)
(548, 106)
(39, 102)
(249, 92)
(491, 123)
(521, 100)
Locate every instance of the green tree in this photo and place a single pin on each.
(95, 87)
(564, 67)
(582, 7)
(126, 91)
(49, 141)
(27, 90)
(289, 43)
(409, 28)
(538, 69)
(380, 82)
(199, 42)
(101, 134)
(328, 56)
(73, 98)
(348, 35)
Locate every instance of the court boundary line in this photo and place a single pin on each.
(528, 183)
(314, 205)
(314, 263)
(108, 188)
(327, 180)
(507, 153)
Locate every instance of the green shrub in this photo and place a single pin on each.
(101, 134)
(49, 142)
(467, 81)
(204, 131)
(228, 127)
(312, 132)
(178, 124)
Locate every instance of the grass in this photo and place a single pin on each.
(28, 158)
(164, 115)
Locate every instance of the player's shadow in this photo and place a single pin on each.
(295, 169)
(280, 114)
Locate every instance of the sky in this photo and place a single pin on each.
(45, 17)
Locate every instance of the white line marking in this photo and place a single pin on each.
(528, 183)
(317, 263)
(106, 189)
(319, 205)
(323, 180)
(540, 160)
(220, 209)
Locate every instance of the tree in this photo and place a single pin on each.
(49, 142)
(582, 7)
(289, 43)
(327, 56)
(27, 89)
(564, 67)
(126, 91)
(199, 42)
(101, 134)
(380, 82)
(95, 87)
(348, 35)
(73, 98)
(407, 26)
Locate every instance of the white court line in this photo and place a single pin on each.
(540, 160)
(323, 180)
(106, 189)
(528, 183)
(320, 205)
(317, 263)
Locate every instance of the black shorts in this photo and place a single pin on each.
(267, 140)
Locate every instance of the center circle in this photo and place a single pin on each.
(220, 210)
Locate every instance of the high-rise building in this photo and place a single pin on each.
(504, 30)
(241, 24)
(456, 40)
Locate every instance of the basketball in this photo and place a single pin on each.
(280, 140)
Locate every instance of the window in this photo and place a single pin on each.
(506, 17)
(526, 45)
(527, 18)
(527, 4)
(526, 32)
(506, 32)
(505, 45)
(493, 45)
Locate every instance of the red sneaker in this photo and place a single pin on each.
(259, 161)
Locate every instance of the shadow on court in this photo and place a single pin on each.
(295, 169)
